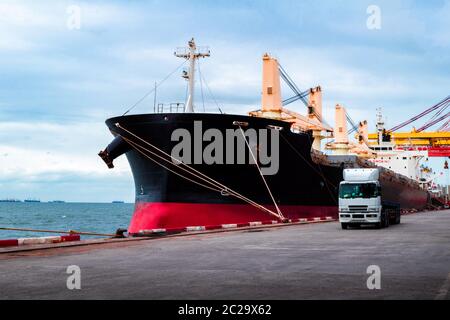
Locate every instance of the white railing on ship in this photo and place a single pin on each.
(177, 107)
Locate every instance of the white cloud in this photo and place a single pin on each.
(16, 14)
(26, 25)
(440, 33)
(20, 24)
(106, 15)
(30, 150)
(12, 43)
(145, 54)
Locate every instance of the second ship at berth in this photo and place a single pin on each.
(305, 185)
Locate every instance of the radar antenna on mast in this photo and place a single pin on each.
(191, 53)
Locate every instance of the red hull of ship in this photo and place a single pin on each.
(158, 215)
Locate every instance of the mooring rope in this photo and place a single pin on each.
(136, 146)
(306, 161)
(221, 188)
(319, 171)
(223, 191)
(261, 174)
(59, 231)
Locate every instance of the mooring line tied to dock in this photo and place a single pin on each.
(119, 233)
(193, 175)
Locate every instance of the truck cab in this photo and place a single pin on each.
(360, 199)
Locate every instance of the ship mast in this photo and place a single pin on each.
(191, 53)
(380, 126)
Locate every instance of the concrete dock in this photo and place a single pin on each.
(316, 261)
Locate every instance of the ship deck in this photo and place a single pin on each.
(314, 261)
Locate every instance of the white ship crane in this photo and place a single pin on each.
(191, 53)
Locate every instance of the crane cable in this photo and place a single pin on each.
(295, 98)
(431, 109)
(224, 190)
(438, 113)
(301, 95)
(445, 126)
(436, 120)
(352, 123)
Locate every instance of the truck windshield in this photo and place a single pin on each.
(358, 190)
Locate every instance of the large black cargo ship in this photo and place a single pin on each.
(174, 192)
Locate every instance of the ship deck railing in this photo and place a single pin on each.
(177, 107)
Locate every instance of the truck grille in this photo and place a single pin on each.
(357, 208)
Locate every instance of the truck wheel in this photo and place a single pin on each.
(385, 219)
(398, 217)
(344, 225)
(382, 223)
(393, 217)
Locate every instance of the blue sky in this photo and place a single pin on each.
(57, 86)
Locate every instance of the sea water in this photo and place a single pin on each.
(88, 217)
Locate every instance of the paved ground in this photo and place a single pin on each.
(318, 261)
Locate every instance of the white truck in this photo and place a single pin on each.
(361, 200)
